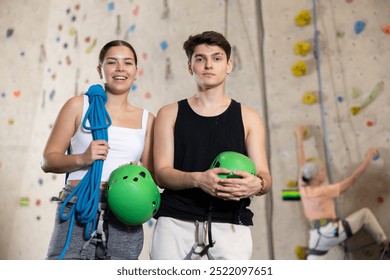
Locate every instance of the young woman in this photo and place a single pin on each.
(130, 139)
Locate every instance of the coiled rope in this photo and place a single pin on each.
(87, 191)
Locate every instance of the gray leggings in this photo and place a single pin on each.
(124, 242)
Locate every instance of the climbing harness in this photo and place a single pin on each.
(317, 224)
(201, 241)
(99, 237)
(85, 196)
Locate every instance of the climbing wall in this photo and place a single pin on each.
(341, 95)
(50, 48)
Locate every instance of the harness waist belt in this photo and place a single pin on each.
(317, 252)
(321, 222)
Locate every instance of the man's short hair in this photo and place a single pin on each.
(211, 38)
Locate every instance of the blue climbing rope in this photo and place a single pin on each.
(87, 191)
(323, 112)
(321, 97)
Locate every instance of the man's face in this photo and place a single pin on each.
(210, 66)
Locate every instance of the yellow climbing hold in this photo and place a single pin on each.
(309, 98)
(303, 18)
(72, 31)
(291, 183)
(305, 133)
(90, 48)
(302, 48)
(355, 110)
(299, 69)
(301, 252)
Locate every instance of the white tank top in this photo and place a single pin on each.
(126, 145)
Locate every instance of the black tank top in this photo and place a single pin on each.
(198, 140)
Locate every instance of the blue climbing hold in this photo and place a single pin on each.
(376, 157)
(359, 26)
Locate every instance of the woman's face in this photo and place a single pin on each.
(118, 69)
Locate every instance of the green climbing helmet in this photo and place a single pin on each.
(132, 194)
(234, 162)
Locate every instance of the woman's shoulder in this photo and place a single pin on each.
(75, 101)
(74, 104)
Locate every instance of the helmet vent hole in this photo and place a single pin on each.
(217, 164)
(142, 174)
(135, 179)
(125, 177)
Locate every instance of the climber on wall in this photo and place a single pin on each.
(326, 229)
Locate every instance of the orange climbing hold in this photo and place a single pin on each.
(386, 29)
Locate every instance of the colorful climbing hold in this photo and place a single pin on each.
(90, 48)
(340, 34)
(301, 252)
(376, 157)
(147, 95)
(291, 183)
(309, 98)
(10, 32)
(355, 110)
(386, 29)
(302, 48)
(164, 45)
(303, 18)
(24, 201)
(356, 92)
(111, 6)
(136, 10)
(299, 69)
(359, 26)
(291, 194)
(17, 93)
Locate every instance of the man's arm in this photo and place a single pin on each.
(300, 131)
(371, 153)
(255, 141)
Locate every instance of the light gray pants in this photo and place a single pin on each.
(326, 237)
(173, 239)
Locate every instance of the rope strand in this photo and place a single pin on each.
(87, 191)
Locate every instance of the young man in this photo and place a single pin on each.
(326, 229)
(202, 215)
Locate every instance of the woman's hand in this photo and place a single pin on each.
(98, 149)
